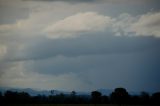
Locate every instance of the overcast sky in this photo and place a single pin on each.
(80, 45)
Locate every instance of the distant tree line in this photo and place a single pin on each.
(118, 96)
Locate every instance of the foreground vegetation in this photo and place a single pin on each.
(119, 96)
(72, 105)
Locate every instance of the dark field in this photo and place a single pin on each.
(74, 105)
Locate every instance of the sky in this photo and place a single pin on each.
(80, 45)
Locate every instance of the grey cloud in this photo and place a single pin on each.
(137, 68)
(11, 11)
(87, 45)
(11, 14)
(103, 1)
(126, 58)
(63, 0)
(87, 55)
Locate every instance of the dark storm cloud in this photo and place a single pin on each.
(86, 45)
(90, 44)
(132, 59)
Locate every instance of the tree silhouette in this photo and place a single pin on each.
(17, 97)
(135, 99)
(105, 99)
(119, 96)
(73, 93)
(73, 98)
(1, 97)
(145, 98)
(11, 96)
(96, 97)
(156, 98)
(52, 92)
